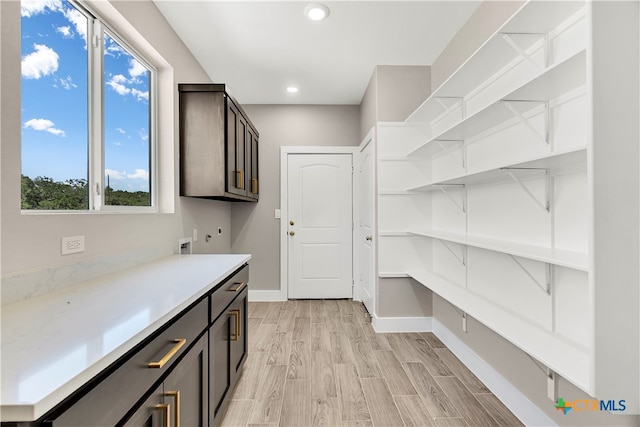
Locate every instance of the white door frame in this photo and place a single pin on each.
(357, 290)
(284, 258)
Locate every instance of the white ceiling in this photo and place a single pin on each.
(258, 48)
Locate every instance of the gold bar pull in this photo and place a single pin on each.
(176, 411)
(238, 288)
(254, 186)
(240, 181)
(165, 414)
(160, 363)
(236, 334)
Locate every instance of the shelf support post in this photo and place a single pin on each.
(546, 286)
(508, 37)
(545, 136)
(462, 207)
(546, 205)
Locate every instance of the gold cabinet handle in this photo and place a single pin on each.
(160, 363)
(238, 287)
(236, 335)
(240, 181)
(176, 412)
(254, 186)
(165, 414)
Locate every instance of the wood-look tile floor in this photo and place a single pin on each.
(320, 363)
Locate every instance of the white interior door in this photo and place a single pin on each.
(367, 224)
(320, 221)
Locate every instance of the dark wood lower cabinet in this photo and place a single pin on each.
(203, 349)
(227, 353)
(182, 399)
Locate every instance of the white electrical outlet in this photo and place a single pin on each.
(72, 245)
(195, 234)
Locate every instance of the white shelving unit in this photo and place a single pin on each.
(487, 193)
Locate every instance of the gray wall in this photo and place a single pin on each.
(485, 21)
(253, 226)
(31, 243)
(393, 93)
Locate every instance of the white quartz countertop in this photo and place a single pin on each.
(54, 343)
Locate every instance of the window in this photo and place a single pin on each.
(87, 113)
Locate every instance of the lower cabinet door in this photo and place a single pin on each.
(239, 341)
(153, 412)
(219, 372)
(186, 388)
(182, 398)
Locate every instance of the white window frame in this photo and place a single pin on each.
(96, 28)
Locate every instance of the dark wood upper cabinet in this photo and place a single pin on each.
(218, 145)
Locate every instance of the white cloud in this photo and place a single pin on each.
(119, 175)
(65, 31)
(43, 61)
(136, 69)
(114, 174)
(118, 87)
(43, 125)
(29, 8)
(119, 78)
(122, 131)
(79, 22)
(139, 174)
(140, 95)
(67, 83)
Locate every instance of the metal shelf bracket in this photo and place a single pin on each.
(545, 204)
(552, 379)
(463, 206)
(510, 39)
(546, 286)
(462, 259)
(447, 150)
(543, 136)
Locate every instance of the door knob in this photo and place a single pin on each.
(291, 233)
(292, 223)
(369, 238)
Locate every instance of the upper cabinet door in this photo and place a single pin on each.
(252, 163)
(236, 137)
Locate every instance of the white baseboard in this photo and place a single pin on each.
(401, 324)
(517, 403)
(257, 295)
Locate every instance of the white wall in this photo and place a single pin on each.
(253, 226)
(31, 243)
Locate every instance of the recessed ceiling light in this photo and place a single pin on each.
(316, 11)
(292, 89)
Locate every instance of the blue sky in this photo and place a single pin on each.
(54, 100)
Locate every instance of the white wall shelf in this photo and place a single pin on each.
(551, 83)
(533, 20)
(492, 193)
(564, 258)
(544, 344)
(559, 163)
